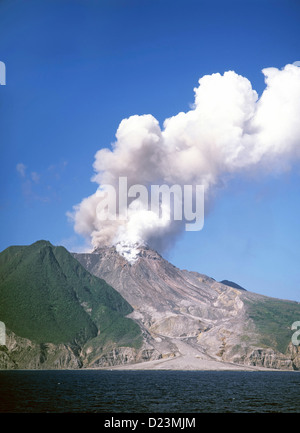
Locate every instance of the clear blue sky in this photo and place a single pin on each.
(76, 68)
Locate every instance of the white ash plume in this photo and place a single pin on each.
(229, 130)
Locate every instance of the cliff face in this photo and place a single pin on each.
(214, 320)
(22, 353)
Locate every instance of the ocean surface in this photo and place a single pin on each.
(90, 391)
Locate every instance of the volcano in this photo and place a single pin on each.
(191, 321)
(118, 308)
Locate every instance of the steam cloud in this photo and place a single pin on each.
(229, 130)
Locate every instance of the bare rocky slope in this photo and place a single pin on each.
(191, 321)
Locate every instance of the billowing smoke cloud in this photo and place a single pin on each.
(229, 130)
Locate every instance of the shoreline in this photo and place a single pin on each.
(173, 364)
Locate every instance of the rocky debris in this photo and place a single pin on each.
(270, 359)
(124, 356)
(173, 305)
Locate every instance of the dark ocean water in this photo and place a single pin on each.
(89, 391)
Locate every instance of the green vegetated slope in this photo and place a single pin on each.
(273, 319)
(47, 296)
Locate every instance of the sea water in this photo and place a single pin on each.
(104, 391)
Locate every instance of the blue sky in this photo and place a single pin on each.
(75, 69)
